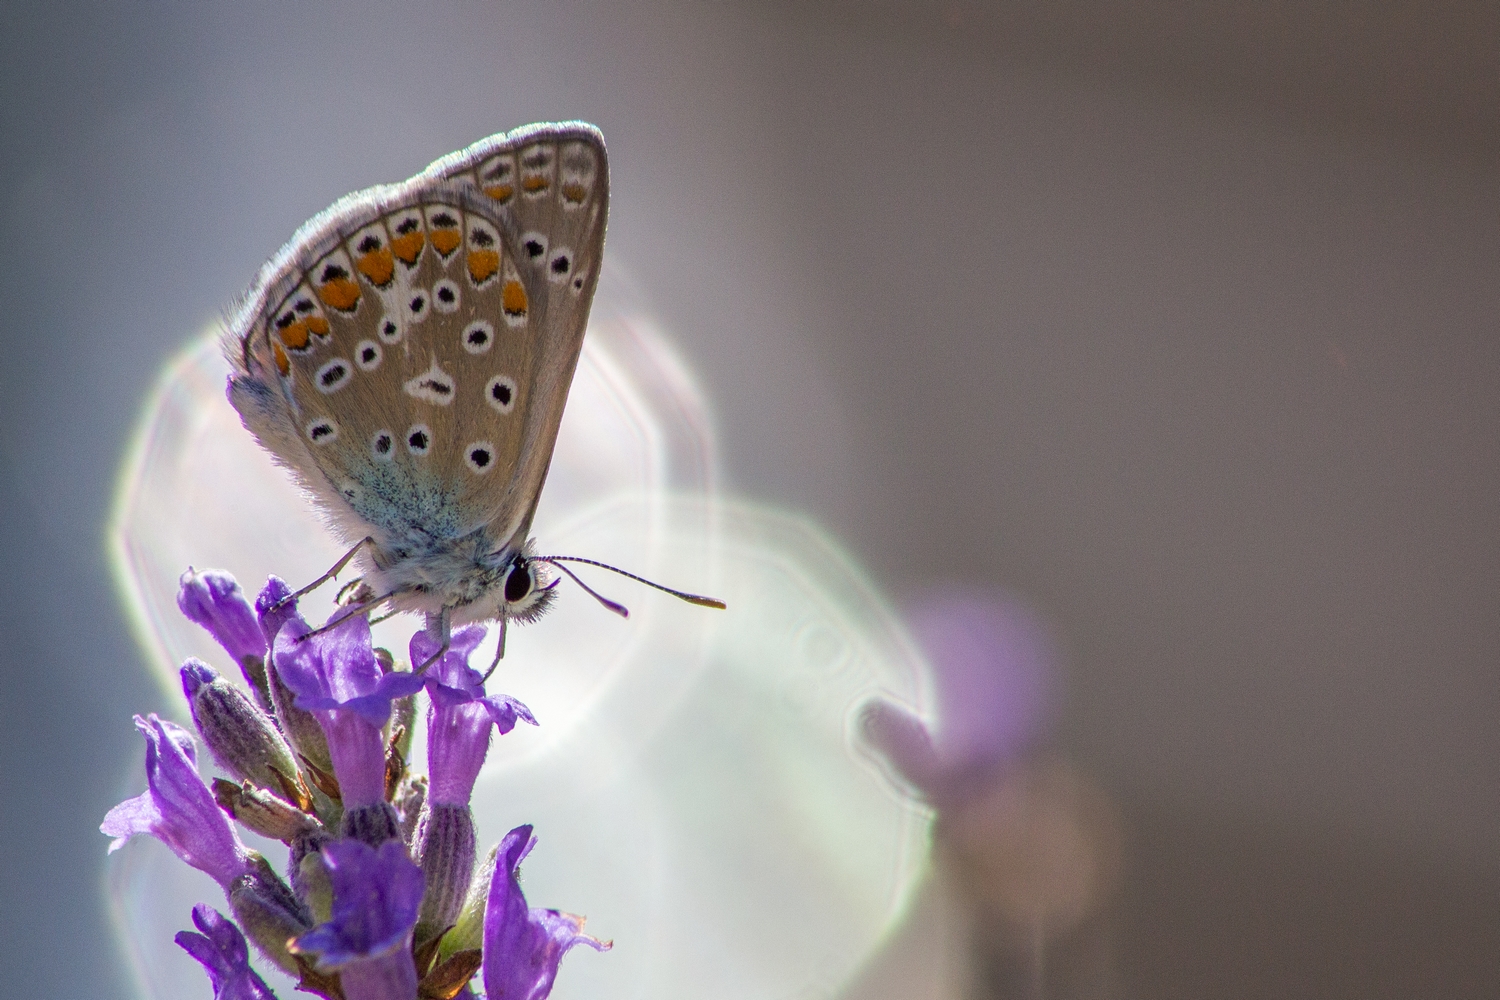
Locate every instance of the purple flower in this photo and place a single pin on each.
(177, 808)
(336, 677)
(271, 612)
(459, 720)
(214, 600)
(992, 664)
(367, 940)
(523, 946)
(222, 952)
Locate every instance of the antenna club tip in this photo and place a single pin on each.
(707, 602)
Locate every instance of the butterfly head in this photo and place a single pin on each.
(527, 591)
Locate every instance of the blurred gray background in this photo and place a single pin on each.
(1177, 318)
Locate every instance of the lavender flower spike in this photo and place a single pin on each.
(177, 808)
(458, 723)
(367, 940)
(221, 950)
(336, 677)
(522, 947)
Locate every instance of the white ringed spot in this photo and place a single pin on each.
(333, 376)
(322, 431)
(445, 296)
(382, 445)
(367, 355)
(501, 393)
(418, 305)
(389, 329)
(419, 439)
(534, 244)
(479, 336)
(479, 456)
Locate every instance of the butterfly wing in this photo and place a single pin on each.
(551, 185)
(409, 353)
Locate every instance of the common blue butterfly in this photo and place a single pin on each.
(407, 355)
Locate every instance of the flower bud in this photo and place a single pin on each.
(444, 848)
(310, 874)
(214, 600)
(243, 740)
(409, 800)
(258, 810)
(371, 824)
(468, 930)
(302, 729)
(268, 912)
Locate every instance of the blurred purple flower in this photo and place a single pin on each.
(336, 677)
(368, 937)
(992, 663)
(523, 946)
(177, 808)
(459, 720)
(222, 952)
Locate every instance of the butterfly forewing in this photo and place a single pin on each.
(409, 354)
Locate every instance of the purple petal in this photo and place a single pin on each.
(214, 600)
(375, 707)
(453, 669)
(336, 677)
(338, 665)
(177, 808)
(523, 946)
(458, 738)
(222, 952)
(460, 716)
(377, 894)
(505, 710)
(274, 592)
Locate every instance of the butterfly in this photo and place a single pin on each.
(407, 356)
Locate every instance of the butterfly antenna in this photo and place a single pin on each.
(614, 606)
(698, 599)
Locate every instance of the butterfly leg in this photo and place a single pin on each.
(356, 609)
(437, 626)
(332, 572)
(499, 649)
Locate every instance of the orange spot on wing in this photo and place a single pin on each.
(483, 264)
(340, 293)
(531, 185)
(574, 193)
(513, 298)
(446, 240)
(500, 192)
(378, 266)
(283, 363)
(408, 247)
(317, 325)
(294, 335)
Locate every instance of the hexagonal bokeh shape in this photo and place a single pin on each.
(694, 783)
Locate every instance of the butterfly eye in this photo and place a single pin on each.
(518, 582)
